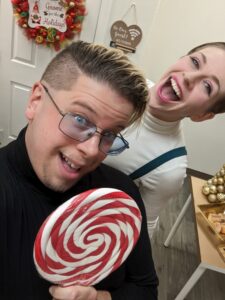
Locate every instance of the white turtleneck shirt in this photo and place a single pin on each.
(149, 140)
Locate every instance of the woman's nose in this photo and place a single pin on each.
(190, 79)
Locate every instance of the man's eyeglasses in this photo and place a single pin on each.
(81, 129)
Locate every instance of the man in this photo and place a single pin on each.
(193, 87)
(86, 96)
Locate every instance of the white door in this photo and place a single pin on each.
(22, 63)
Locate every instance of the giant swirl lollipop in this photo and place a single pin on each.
(87, 237)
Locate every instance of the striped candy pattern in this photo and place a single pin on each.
(87, 237)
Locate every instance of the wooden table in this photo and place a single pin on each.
(209, 257)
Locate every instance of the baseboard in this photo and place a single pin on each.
(199, 174)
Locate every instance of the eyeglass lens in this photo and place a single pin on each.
(81, 129)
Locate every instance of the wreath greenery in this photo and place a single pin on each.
(51, 37)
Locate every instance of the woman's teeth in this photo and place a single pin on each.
(175, 88)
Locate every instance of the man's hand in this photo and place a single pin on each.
(77, 292)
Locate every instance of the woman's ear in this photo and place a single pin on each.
(203, 117)
(34, 101)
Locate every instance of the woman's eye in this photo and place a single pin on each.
(195, 62)
(208, 87)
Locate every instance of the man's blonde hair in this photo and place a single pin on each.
(107, 65)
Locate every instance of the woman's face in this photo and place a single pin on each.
(190, 86)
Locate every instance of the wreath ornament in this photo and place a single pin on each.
(50, 22)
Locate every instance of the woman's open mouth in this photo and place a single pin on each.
(170, 91)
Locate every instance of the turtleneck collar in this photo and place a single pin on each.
(20, 162)
(159, 126)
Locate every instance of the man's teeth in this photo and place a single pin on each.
(175, 87)
(69, 163)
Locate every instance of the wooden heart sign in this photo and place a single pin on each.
(125, 37)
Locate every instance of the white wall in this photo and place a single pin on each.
(178, 26)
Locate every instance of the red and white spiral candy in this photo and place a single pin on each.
(87, 237)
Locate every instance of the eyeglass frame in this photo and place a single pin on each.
(125, 142)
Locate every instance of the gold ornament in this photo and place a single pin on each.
(220, 180)
(205, 190)
(220, 197)
(210, 182)
(212, 198)
(214, 188)
(220, 188)
(214, 180)
(39, 39)
(222, 172)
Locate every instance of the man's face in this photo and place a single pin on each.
(58, 160)
(190, 86)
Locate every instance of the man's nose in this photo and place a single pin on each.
(90, 147)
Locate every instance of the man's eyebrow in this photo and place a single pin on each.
(204, 58)
(84, 105)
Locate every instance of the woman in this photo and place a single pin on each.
(193, 87)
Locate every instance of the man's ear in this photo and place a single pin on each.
(34, 101)
(203, 117)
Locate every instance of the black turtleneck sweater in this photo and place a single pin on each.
(25, 203)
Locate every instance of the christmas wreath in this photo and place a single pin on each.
(69, 14)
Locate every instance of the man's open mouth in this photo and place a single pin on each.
(170, 90)
(70, 165)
